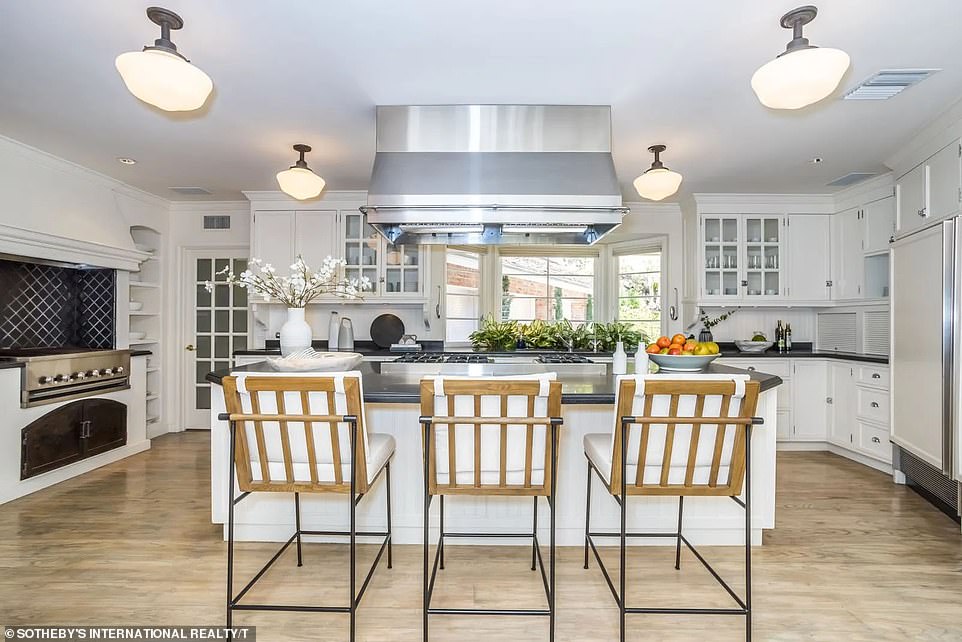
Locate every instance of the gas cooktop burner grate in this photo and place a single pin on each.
(437, 357)
(563, 357)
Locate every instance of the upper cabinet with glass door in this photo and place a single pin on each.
(395, 271)
(361, 249)
(720, 255)
(762, 258)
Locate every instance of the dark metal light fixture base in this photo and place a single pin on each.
(301, 149)
(160, 16)
(799, 16)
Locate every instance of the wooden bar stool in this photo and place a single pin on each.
(304, 434)
(490, 436)
(694, 439)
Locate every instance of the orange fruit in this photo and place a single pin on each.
(663, 342)
(674, 350)
(679, 339)
(654, 348)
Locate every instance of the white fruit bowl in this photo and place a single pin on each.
(316, 362)
(753, 346)
(682, 362)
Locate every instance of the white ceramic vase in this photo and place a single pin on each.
(295, 333)
(619, 360)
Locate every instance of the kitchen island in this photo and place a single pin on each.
(392, 407)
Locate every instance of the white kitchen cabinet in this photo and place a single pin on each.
(841, 420)
(315, 232)
(879, 220)
(395, 271)
(809, 265)
(809, 392)
(721, 250)
(911, 199)
(848, 263)
(762, 257)
(272, 239)
(945, 181)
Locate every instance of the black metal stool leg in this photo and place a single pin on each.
(587, 513)
(353, 533)
(390, 541)
(534, 533)
(297, 525)
(552, 505)
(441, 536)
(681, 504)
(748, 533)
(624, 530)
(230, 528)
(425, 595)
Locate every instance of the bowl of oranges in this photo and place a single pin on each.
(681, 354)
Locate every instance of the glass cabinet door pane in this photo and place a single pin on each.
(392, 281)
(771, 230)
(410, 280)
(729, 230)
(392, 255)
(369, 252)
(411, 255)
(352, 226)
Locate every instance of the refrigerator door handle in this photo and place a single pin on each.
(949, 230)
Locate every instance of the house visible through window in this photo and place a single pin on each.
(462, 302)
(639, 290)
(547, 287)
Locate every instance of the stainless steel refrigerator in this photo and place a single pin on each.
(925, 357)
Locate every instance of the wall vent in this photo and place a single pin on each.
(190, 191)
(887, 83)
(851, 178)
(217, 222)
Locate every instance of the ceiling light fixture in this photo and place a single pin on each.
(658, 182)
(299, 181)
(803, 74)
(159, 75)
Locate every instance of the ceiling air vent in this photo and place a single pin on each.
(217, 222)
(851, 178)
(190, 191)
(887, 83)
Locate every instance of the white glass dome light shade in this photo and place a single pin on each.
(800, 78)
(159, 75)
(658, 182)
(802, 74)
(164, 80)
(299, 181)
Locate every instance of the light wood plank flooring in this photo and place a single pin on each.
(853, 557)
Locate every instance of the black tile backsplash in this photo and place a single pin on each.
(51, 306)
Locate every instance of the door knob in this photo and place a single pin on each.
(189, 347)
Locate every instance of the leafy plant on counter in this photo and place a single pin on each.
(611, 333)
(710, 323)
(495, 336)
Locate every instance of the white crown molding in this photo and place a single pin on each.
(276, 197)
(60, 164)
(42, 245)
(932, 137)
(734, 203)
(867, 191)
(179, 207)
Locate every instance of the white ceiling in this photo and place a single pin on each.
(308, 71)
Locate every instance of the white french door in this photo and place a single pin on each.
(215, 324)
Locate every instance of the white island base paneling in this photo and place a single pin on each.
(711, 521)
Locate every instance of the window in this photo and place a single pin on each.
(547, 287)
(462, 295)
(639, 290)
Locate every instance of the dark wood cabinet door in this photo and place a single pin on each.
(106, 425)
(52, 441)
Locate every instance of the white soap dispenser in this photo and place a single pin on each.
(333, 330)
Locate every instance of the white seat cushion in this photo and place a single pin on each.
(380, 449)
(598, 450)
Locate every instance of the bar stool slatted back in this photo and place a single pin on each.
(304, 434)
(490, 436)
(676, 435)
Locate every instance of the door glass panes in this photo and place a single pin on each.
(762, 256)
(640, 290)
(360, 249)
(220, 322)
(462, 299)
(401, 274)
(550, 288)
(720, 256)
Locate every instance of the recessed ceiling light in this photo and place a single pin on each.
(126, 161)
(816, 160)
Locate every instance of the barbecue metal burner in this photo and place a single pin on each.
(58, 374)
(563, 357)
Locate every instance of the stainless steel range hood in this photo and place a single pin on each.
(494, 174)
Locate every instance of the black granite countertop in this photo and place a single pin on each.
(580, 389)
(800, 351)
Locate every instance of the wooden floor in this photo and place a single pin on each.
(853, 557)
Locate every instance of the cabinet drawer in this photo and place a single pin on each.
(873, 405)
(874, 441)
(875, 376)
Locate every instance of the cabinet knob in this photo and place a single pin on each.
(874, 404)
(751, 368)
(876, 375)
(828, 284)
(876, 440)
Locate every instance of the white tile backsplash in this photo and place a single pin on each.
(745, 321)
(268, 320)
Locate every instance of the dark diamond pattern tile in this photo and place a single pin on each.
(43, 305)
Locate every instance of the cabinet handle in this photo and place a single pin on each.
(829, 401)
(876, 440)
(922, 212)
(751, 368)
(745, 284)
(876, 375)
(874, 404)
(828, 284)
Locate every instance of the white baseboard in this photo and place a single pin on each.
(841, 451)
